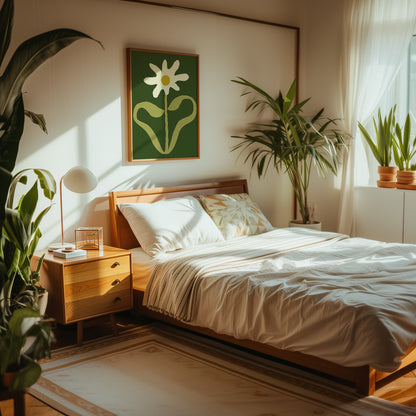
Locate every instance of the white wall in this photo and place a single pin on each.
(82, 93)
(320, 78)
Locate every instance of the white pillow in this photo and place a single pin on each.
(170, 224)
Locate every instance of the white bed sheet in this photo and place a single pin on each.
(351, 301)
(140, 258)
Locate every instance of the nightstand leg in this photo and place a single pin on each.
(19, 404)
(113, 324)
(80, 332)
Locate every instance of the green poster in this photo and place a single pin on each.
(163, 105)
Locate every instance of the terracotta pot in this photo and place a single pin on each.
(387, 176)
(406, 179)
(315, 225)
(8, 378)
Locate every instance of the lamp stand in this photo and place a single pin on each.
(62, 211)
(80, 180)
(57, 246)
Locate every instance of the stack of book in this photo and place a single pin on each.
(68, 253)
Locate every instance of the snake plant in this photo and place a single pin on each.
(404, 148)
(291, 142)
(382, 145)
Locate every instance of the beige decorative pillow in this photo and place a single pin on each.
(235, 215)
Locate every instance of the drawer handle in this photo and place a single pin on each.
(117, 299)
(116, 282)
(115, 264)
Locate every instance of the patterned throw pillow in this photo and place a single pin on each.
(235, 215)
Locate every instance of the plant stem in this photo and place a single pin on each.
(166, 124)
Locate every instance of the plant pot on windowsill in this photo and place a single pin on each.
(388, 175)
(314, 225)
(406, 179)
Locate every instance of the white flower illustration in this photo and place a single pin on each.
(165, 78)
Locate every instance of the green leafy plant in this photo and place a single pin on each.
(382, 146)
(26, 341)
(19, 223)
(18, 242)
(404, 148)
(291, 142)
(25, 336)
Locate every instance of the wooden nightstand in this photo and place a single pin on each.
(82, 288)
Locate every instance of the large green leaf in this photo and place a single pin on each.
(13, 340)
(268, 98)
(15, 230)
(25, 323)
(298, 107)
(28, 204)
(5, 180)
(28, 57)
(11, 130)
(44, 177)
(374, 149)
(37, 119)
(404, 147)
(26, 376)
(6, 25)
(290, 96)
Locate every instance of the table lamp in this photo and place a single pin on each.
(79, 180)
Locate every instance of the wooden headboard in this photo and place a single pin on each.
(121, 233)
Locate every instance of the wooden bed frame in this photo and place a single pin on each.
(365, 379)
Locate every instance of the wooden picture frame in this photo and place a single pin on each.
(163, 105)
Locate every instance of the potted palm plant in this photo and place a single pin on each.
(291, 142)
(382, 147)
(404, 150)
(25, 336)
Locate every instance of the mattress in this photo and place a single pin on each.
(351, 301)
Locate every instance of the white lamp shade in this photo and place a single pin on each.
(80, 180)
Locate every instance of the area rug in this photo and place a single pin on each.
(158, 370)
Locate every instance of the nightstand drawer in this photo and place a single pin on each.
(97, 287)
(98, 268)
(97, 284)
(101, 305)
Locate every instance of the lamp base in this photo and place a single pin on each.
(57, 246)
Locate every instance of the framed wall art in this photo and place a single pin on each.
(163, 113)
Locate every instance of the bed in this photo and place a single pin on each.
(398, 353)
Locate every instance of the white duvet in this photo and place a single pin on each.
(351, 301)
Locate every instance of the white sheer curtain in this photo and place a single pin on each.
(376, 36)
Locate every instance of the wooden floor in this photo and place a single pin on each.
(402, 390)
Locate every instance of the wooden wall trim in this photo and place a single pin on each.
(247, 19)
(231, 16)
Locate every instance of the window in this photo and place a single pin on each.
(411, 88)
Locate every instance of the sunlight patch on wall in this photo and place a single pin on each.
(104, 129)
